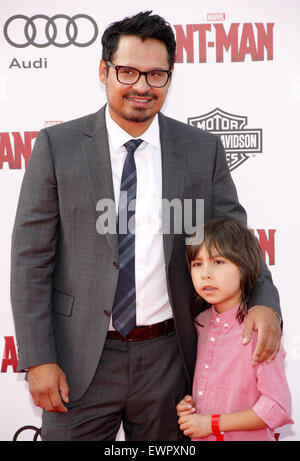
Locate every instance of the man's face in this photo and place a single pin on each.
(134, 106)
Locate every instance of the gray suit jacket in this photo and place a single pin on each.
(63, 276)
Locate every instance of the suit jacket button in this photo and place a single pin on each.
(106, 312)
(116, 265)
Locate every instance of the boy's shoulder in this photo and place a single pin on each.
(204, 317)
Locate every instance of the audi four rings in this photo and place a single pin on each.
(30, 30)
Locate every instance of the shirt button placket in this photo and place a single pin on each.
(205, 374)
(212, 339)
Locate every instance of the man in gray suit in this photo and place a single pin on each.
(103, 320)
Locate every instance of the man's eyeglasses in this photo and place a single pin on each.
(156, 78)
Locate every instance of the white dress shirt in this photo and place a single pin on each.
(152, 301)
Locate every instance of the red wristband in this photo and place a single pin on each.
(215, 428)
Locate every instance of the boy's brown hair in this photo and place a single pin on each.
(234, 241)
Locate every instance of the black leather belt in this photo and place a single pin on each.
(145, 332)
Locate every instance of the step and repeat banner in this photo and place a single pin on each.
(237, 74)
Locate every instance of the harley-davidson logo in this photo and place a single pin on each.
(240, 143)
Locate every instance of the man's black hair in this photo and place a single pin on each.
(143, 25)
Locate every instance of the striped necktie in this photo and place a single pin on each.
(124, 308)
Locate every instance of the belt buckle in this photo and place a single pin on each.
(127, 340)
(137, 338)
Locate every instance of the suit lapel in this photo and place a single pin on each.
(172, 179)
(97, 161)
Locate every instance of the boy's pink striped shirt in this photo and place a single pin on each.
(225, 381)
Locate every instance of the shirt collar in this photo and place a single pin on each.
(225, 319)
(119, 137)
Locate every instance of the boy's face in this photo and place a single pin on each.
(216, 279)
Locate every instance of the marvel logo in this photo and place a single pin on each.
(52, 123)
(215, 17)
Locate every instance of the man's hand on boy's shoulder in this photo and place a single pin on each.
(268, 325)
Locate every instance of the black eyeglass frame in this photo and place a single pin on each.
(168, 72)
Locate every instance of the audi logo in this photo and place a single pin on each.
(51, 28)
(35, 432)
